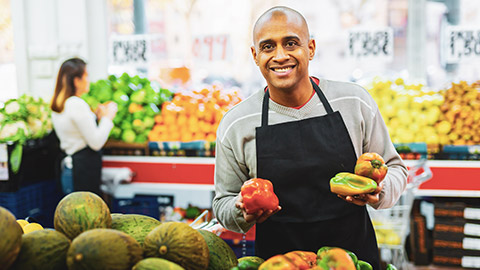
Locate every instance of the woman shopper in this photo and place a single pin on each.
(82, 133)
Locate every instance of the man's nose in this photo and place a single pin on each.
(280, 54)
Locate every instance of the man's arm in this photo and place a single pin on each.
(230, 174)
(378, 141)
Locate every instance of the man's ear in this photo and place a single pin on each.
(254, 54)
(311, 48)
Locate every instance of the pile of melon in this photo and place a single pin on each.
(88, 236)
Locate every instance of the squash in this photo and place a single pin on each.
(137, 226)
(11, 239)
(221, 254)
(43, 249)
(80, 211)
(155, 264)
(179, 243)
(103, 249)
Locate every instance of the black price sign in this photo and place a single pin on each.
(462, 43)
(130, 50)
(377, 44)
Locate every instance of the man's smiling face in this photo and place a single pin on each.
(282, 50)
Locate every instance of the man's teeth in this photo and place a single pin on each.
(285, 69)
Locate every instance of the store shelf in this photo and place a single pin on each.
(451, 178)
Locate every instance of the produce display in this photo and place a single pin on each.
(23, 119)
(460, 118)
(414, 113)
(167, 245)
(410, 111)
(193, 115)
(138, 101)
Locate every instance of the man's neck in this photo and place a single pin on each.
(293, 97)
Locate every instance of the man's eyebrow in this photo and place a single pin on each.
(265, 41)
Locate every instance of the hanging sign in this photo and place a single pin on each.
(461, 43)
(366, 43)
(133, 50)
(211, 48)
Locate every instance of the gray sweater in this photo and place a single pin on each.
(236, 161)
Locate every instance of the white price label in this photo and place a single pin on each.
(3, 162)
(471, 229)
(376, 44)
(471, 243)
(471, 213)
(136, 50)
(461, 43)
(470, 262)
(212, 48)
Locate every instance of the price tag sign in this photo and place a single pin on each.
(3, 162)
(461, 43)
(370, 44)
(212, 48)
(134, 50)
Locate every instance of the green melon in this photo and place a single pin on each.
(155, 264)
(103, 249)
(80, 211)
(179, 243)
(11, 239)
(43, 249)
(137, 226)
(221, 254)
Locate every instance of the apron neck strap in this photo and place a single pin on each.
(266, 99)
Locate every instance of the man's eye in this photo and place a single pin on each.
(267, 47)
(290, 44)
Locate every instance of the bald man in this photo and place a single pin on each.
(298, 133)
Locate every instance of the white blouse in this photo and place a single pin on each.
(76, 127)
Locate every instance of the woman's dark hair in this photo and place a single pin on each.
(65, 86)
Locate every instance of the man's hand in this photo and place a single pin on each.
(260, 216)
(363, 199)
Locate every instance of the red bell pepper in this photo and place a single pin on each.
(258, 195)
(371, 165)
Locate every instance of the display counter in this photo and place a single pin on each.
(451, 178)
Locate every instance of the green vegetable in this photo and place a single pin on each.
(323, 250)
(391, 267)
(348, 184)
(363, 265)
(248, 265)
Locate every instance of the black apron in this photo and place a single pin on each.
(87, 170)
(300, 158)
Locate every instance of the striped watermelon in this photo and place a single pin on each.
(80, 211)
(11, 238)
(222, 256)
(102, 249)
(43, 249)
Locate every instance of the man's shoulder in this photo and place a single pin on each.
(246, 110)
(251, 104)
(343, 88)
